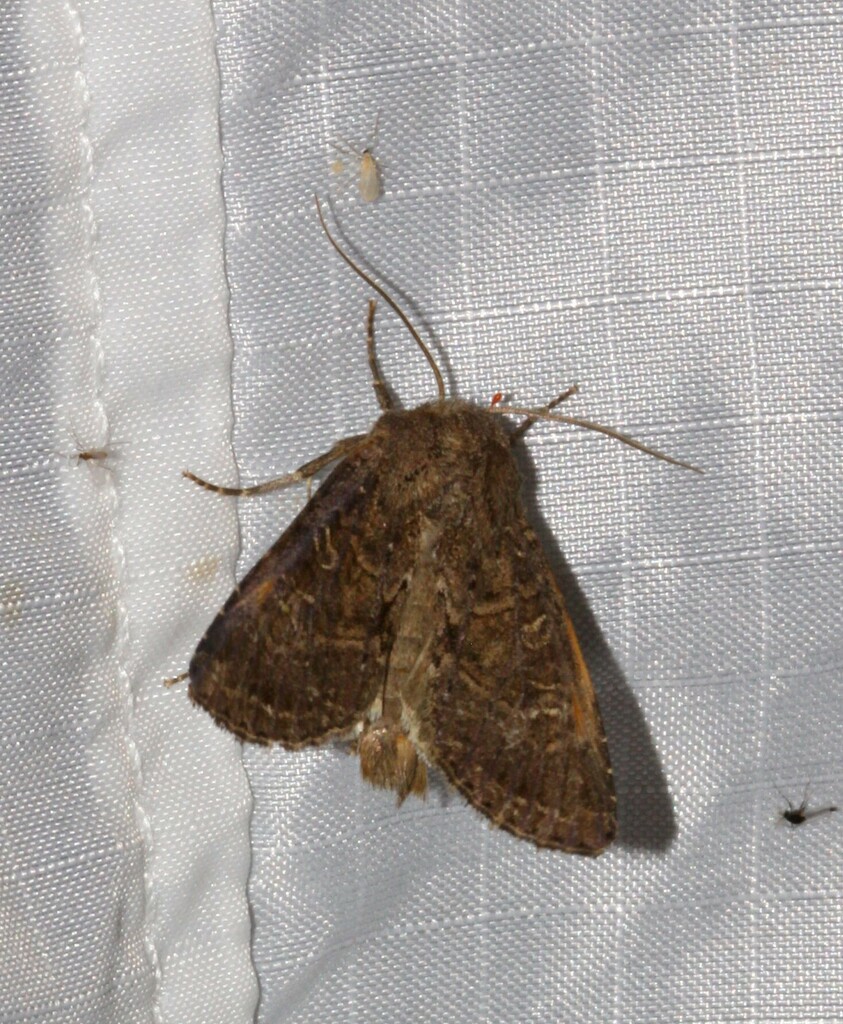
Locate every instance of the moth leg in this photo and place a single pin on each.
(522, 429)
(378, 382)
(309, 469)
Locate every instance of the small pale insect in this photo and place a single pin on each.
(369, 180)
(93, 455)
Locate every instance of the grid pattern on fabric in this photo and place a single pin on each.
(642, 198)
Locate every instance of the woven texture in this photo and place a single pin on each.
(641, 198)
(124, 851)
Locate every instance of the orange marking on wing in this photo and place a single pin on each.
(263, 592)
(579, 714)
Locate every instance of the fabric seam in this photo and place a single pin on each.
(141, 817)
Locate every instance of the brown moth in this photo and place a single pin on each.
(410, 605)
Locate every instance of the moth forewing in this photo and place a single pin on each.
(504, 705)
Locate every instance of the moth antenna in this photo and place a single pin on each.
(176, 680)
(521, 430)
(540, 414)
(239, 492)
(378, 383)
(393, 305)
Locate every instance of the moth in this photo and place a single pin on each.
(369, 179)
(411, 607)
(799, 815)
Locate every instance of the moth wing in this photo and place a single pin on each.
(512, 717)
(297, 653)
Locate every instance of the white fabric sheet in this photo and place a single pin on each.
(643, 199)
(124, 853)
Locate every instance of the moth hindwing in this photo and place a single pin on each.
(411, 605)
